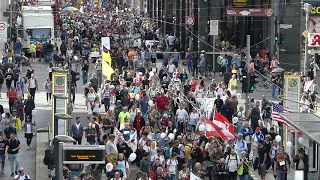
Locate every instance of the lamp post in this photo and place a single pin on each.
(307, 9)
(58, 154)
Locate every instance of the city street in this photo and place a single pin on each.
(43, 116)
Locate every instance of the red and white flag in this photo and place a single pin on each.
(222, 122)
(213, 130)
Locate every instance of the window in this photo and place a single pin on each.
(44, 33)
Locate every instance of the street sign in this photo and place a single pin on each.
(285, 26)
(314, 40)
(85, 154)
(305, 33)
(190, 20)
(214, 28)
(3, 32)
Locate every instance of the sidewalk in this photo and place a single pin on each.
(42, 170)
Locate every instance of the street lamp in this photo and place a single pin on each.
(58, 154)
(307, 9)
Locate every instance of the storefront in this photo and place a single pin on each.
(304, 132)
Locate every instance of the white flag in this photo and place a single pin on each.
(194, 177)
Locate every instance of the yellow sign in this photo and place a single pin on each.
(315, 10)
(305, 33)
(240, 3)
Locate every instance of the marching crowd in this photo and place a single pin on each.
(147, 117)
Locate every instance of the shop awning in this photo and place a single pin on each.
(307, 123)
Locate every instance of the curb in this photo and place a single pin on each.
(41, 169)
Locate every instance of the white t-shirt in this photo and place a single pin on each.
(194, 118)
(22, 177)
(123, 165)
(32, 83)
(171, 68)
(181, 114)
(172, 164)
(232, 161)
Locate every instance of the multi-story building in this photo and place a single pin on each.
(263, 20)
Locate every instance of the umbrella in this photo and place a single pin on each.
(278, 70)
(69, 9)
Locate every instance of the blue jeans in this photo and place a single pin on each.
(172, 177)
(273, 90)
(2, 161)
(244, 177)
(48, 56)
(189, 67)
(74, 174)
(106, 102)
(14, 158)
(84, 77)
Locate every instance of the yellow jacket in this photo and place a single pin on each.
(18, 124)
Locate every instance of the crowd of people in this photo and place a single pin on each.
(147, 117)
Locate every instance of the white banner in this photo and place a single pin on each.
(194, 177)
(105, 41)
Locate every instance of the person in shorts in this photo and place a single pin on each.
(262, 155)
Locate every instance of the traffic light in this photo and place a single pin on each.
(252, 83)
(282, 38)
(276, 38)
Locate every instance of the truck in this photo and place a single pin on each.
(38, 26)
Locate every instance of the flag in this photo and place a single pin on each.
(276, 110)
(118, 134)
(107, 70)
(106, 57)
(194, 177)
(222, 122)
(213, 130)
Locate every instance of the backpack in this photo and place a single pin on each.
(48, 156)
(26, 177)
(236, 159)
(167, 153)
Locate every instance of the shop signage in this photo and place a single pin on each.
(240, 3)
(314, 39)
(250, 12)
(315, 10)
(84, 154)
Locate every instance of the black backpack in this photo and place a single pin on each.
(48, 156)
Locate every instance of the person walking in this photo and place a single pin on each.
(12, 149)
(302, 162)
(29, 106)
(91, 134)
(22, 175)
(111, 149)
(98, 68)
(32, 86)
(12, 95)
(28, 128)
(77, 131)
(106, 94)
(48, 89)
(281, 166)
(3, 145)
